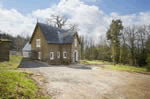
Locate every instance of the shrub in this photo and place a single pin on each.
(148, 63)
(66, 62)
(148, 68)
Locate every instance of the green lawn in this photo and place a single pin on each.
(125, 68)
(15, 84)
(12, 64)
(94, 62)
(108, 65)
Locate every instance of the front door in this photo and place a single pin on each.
(75, 56)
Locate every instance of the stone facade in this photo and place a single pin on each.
(44, 46)
(4, 50)
(45, 49)
(75, 49)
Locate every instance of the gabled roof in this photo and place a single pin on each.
(27, 47)
(55, 35)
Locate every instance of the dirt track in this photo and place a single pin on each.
(71, 83)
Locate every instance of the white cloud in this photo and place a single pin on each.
(144, 17)
(126, 19)
(13, 22)
(92, 20)
(141, 18)
(88, 17)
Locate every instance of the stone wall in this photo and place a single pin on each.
(44, 47)
(4, 50)
(59, 48)
(75, 48)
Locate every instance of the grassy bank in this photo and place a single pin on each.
(125, 68)
(108, 65)
(15, 84)
(94, 62)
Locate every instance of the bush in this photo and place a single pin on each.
(148, 68)
(66, 63)
(148, 63)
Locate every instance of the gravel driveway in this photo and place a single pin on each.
(67, 82)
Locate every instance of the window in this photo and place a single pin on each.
(58, 54)
(51, 55)
(39, 55)
(75, 42)
(38, 43)
(65, 54)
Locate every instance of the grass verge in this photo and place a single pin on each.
(108, 65)
(15, 84)
(125, 68)
(93, 62)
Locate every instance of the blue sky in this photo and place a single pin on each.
(125, 6)
(27, 6)
(121, 6)
(92, 16)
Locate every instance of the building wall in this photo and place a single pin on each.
(74, 48)
(66, 48)
(4, 50)
(26, 54)
(15, 53)
(45, 49)
(44, 46)
(61, 48)
(53, 48)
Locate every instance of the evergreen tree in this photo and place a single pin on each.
(113, 34)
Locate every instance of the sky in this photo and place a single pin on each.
(92, 16)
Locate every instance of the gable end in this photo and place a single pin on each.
(35, 32)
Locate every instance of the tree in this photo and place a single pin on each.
(148, 63)
(61, 21)
(74, 27)
(113, 34)
(56, 20)
(18, 42)
(82, 46)
(123, 47)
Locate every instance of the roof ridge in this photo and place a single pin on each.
(50, 25)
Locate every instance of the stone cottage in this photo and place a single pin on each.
(54, 45)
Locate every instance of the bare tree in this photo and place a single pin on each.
(61, 21)
(132, 33)
(56, 20)
(123, 46)
(74, 27)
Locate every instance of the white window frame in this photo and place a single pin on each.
(52, 58)
(39, 55)
(64, 54)
(75, 42)
(38, 42)
(58, 54)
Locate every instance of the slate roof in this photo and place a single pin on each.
(27, 47)
(56, 35)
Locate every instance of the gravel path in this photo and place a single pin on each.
(78, 83)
